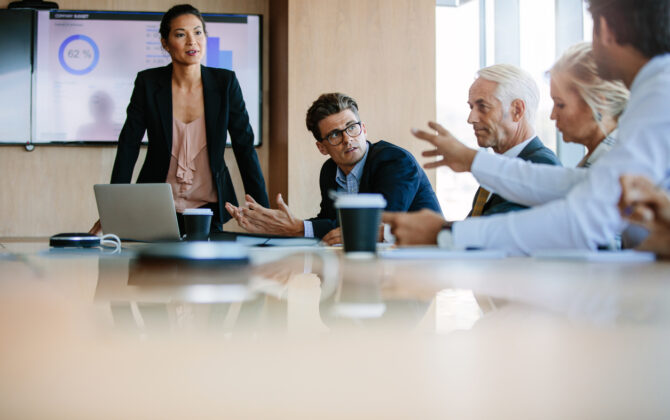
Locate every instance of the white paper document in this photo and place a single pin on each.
(435, 253)
(628, 255)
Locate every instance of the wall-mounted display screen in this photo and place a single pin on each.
(16, 37)
(85, 63)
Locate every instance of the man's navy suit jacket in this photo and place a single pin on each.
(389, 170)
(535, 152)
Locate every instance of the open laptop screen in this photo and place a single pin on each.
(141, 212)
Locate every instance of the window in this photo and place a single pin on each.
(457, 58)
(530, 34)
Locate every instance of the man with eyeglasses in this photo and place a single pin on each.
(355, 165)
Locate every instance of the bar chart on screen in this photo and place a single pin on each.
(222, 59)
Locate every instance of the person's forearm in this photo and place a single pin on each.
(297, 228)
(469, 158)
(581, 220)
(524, 182)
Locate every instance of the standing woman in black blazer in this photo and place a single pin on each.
(186, 110)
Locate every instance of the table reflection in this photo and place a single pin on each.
(311, 333)
(303, 293)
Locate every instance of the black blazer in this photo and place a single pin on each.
(150, 109)
(389, 170)
(535, 152)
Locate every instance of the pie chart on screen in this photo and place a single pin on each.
(78, 54)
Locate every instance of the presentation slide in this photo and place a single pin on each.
(86, 63)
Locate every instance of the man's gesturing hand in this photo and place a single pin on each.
(258, 219)
(454, 154)
(415, 228)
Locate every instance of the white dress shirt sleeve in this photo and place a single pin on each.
(588, 215)
(524, 182)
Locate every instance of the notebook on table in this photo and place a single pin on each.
(254, 239)
(139, 212)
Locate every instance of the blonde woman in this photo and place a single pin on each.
(586, 107)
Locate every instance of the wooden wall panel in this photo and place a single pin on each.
(381, 52)
(50, 190)
(279, 110)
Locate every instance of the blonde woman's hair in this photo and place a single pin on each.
(604, 97)
(513, 83)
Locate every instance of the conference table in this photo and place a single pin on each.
(307, 332)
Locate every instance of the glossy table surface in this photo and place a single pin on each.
(309, 333)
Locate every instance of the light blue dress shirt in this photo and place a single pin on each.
(347, 183)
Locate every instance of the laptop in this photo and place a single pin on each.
(139, 212)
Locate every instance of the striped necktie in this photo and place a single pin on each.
(480, 200)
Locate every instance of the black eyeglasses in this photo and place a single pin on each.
(335, 137)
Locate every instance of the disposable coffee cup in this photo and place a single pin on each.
(197, 223)
(360, 217)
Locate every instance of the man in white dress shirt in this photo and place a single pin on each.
(631, 42)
